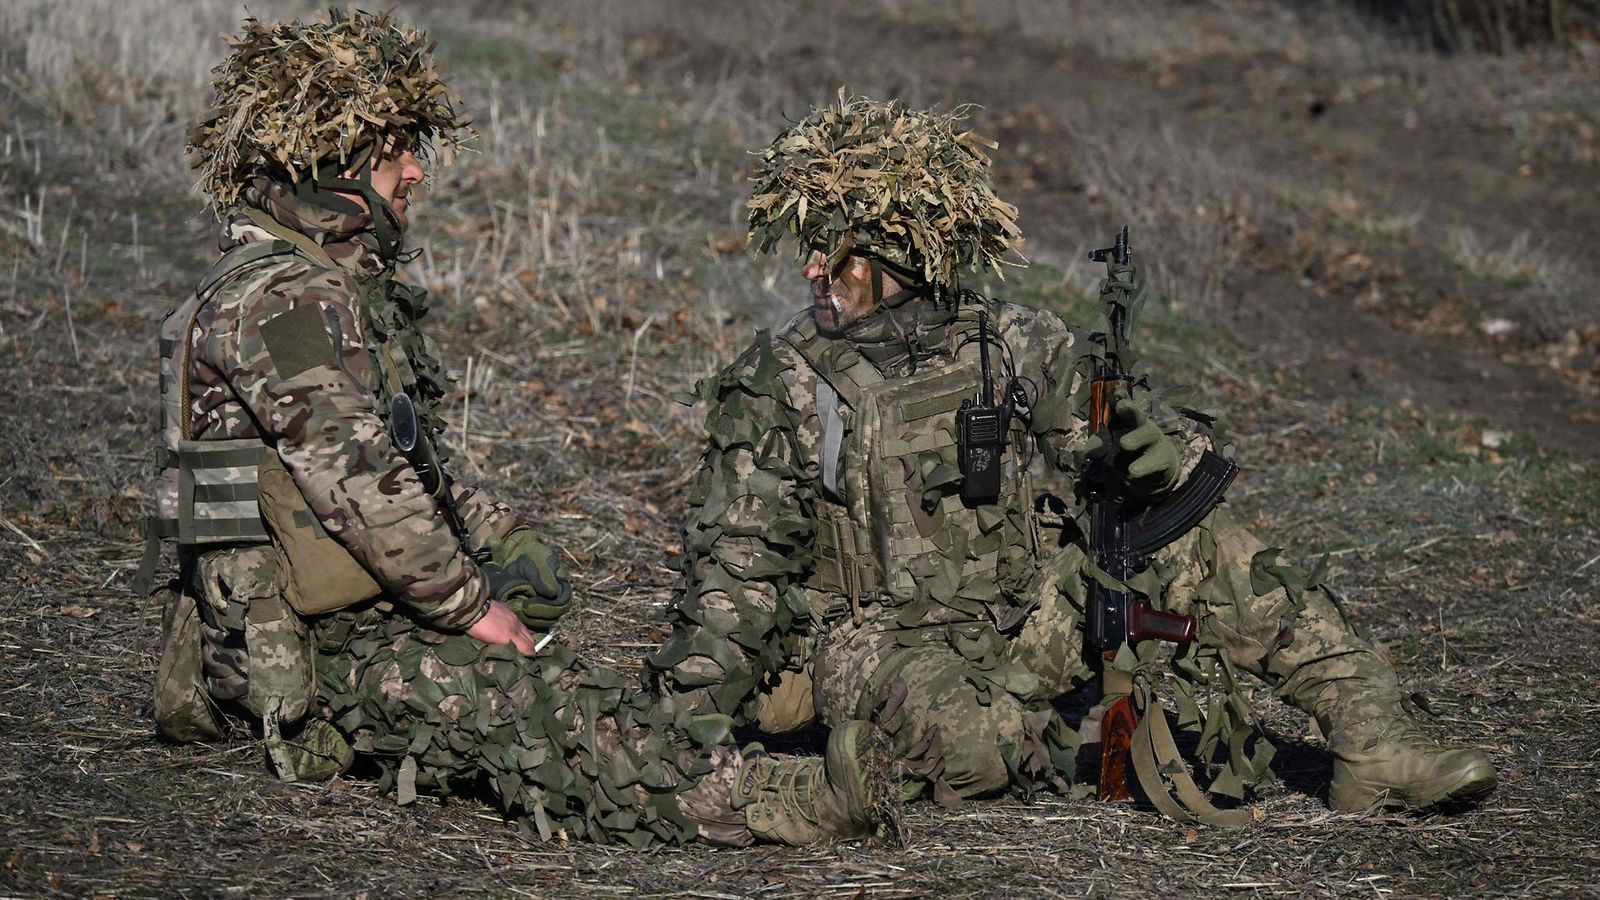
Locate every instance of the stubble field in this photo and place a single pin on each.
(1378, 261)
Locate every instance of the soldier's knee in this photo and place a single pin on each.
(974, 769)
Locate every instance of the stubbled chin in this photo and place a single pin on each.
(823, 316)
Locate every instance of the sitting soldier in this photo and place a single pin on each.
(840, 566)
(335, 582)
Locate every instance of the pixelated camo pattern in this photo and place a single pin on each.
(744, 612)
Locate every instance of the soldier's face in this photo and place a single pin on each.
(393, 177)
(841, 290)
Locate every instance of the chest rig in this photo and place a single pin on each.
(893, 527)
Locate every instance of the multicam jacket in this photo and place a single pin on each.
(286, 352)
(790, 528)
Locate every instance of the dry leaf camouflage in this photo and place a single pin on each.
(294, 95)
(910, 185)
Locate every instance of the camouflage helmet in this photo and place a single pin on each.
(294, 97)
(910, 187)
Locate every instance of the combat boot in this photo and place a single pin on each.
(803, 800)
(1387, 761)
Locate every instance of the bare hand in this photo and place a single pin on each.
(501, 626)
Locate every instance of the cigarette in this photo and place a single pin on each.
(544, 642)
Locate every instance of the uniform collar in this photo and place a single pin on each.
(346, 237)
(898, 339)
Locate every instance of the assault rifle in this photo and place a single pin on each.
(406, 432)
(1125, 532)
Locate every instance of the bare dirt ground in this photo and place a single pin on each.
(1379, 262)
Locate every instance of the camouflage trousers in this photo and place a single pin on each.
(566, 749)
(970, 709)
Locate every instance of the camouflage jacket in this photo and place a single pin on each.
(286, 353)
(754, 540)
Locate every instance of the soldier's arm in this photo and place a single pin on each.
(738, 609)
(1062, 360)
(299, 363)
(486, 517)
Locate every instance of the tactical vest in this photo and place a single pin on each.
(892, 526)
(236, 491)
(207, 491)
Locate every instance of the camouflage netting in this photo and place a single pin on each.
(295, 95)
(910, 185)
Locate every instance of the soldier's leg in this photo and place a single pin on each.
(959, 715)
(256, 656)
(1271, 623)
(567, 747)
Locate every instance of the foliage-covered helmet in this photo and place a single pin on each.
(909, 186)
(296, 96)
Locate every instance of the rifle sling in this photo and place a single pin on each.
(1155, 752)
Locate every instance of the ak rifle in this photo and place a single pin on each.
(1125, 532)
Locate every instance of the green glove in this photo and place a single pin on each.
(1149, 460)
(525, 575)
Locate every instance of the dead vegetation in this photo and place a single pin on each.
(591, 256)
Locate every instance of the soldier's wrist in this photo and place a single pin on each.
(466, 607)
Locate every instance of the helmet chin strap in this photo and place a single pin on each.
(914, 286)
(326, 189)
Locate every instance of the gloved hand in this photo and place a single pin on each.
(525, 575)
(1149, 462)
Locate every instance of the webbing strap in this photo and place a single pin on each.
(155, 531)
(217, 530)
(223, 493)
(220, 457)
(305, 245)
(832, 436)
(391, 372)
(1155, 754)
(236, 260)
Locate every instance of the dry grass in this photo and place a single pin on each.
(1518, 263)
(590, 261)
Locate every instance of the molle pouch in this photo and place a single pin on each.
(282, 677)
(319, 574)
(217, 495)
(183, 711)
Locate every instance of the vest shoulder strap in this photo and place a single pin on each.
(821, 354)
(235, 262)
(306, 246)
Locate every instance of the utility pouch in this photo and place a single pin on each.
(183, 710)
(319, 574)
(216, 492)
(282, 677)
